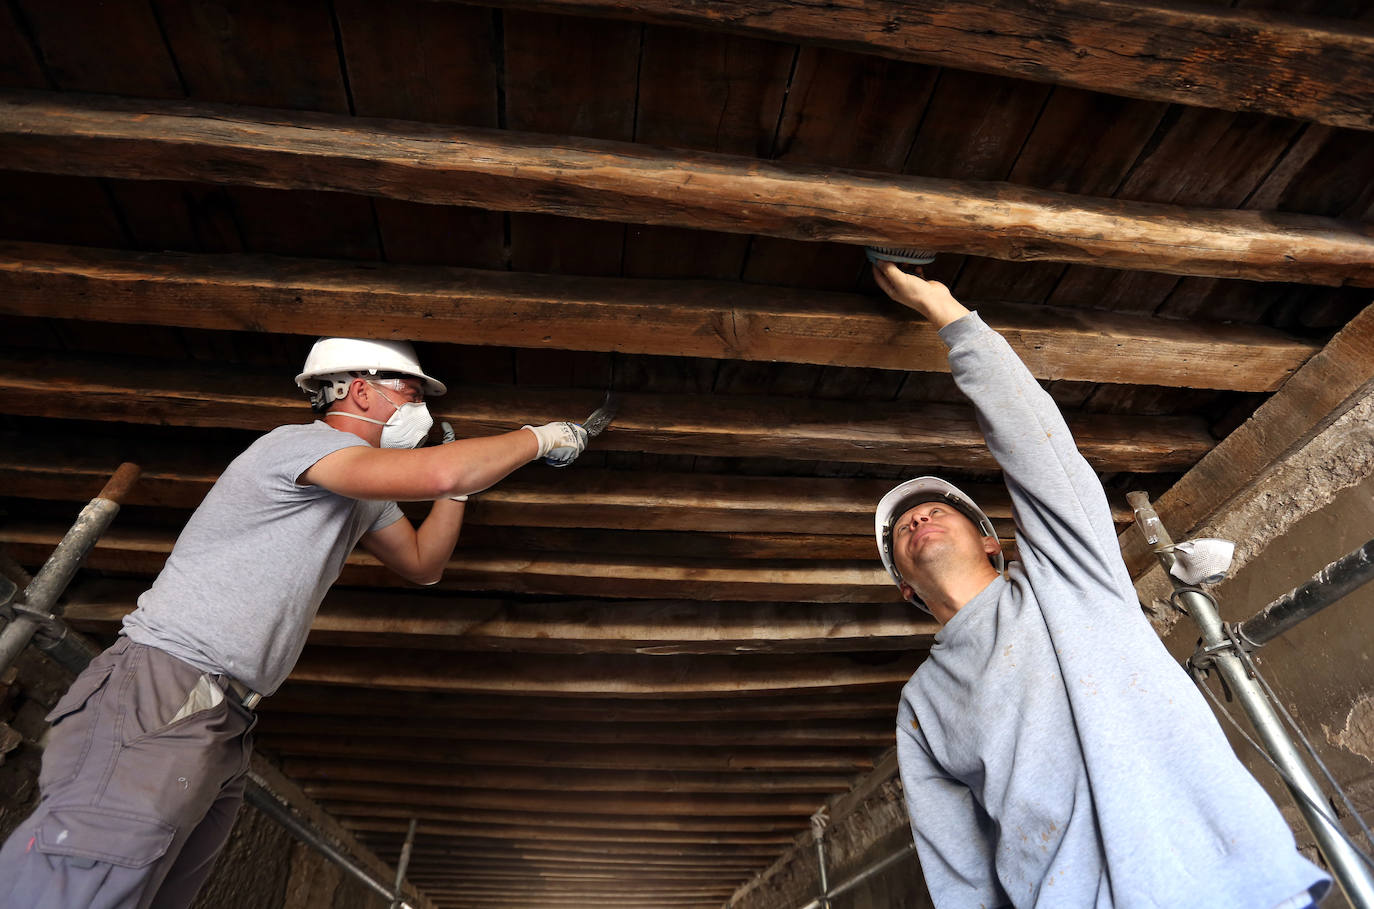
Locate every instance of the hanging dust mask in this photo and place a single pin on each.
(406, 427)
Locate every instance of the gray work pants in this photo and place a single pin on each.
(141, 779)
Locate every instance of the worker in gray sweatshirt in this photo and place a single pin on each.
(1051, 750)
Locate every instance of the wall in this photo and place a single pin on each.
(1322, 670)
(261, 865)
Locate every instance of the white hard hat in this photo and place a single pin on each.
(905, 496)
(333, 363)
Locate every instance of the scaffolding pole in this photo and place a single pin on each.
(1345, 861)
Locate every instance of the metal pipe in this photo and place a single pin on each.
(39, 600)
(1341, 577)
(872, 870)
(403, 864)
(1347, 866)
(260, 797)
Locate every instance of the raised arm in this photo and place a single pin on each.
(1061, 511)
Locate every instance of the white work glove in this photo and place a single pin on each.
(559, 443)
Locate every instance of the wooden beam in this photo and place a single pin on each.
(1308, 403)
(351, 617)
(309, 699)
(646, 822)
(624, 182)
(538, 833)
(721, 319)
(558, 780)
(580, 804)
(58, 385)
(448, 847)
(457, 855)
(125, 551)
(676, 758)
(1306, 67)
(75, 470)
(605, 675)
(725, 734)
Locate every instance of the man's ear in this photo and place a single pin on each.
(991, 546)
(907, 591)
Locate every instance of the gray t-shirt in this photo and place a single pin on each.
(242, 585)
(1051, 750)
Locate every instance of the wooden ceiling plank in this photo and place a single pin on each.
(621, 182)
(653, 805)
(569, 76)
(662, 628)
(49, 385)
(1305, 67)
(304, 698)
(603, 675)
(866, 733)
(450, 76)
(552, 779)
(586, 757)
(441, 848)
(539, 833)
(765, 324)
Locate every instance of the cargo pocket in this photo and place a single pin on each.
(81, 691)
(74, 720)
(99, 834)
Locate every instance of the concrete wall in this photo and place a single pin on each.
(261, 866)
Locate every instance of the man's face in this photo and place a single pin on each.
(936, 533)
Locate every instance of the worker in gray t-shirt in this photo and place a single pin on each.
(144, 770)
(1051, 751)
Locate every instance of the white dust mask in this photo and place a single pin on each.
(407, 426)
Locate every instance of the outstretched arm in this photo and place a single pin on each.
(1061, 511)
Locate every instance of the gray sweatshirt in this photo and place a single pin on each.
(1052, 752)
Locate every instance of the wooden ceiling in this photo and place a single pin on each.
(641, 675)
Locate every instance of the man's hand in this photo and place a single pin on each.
(929, 298)
(559, 443)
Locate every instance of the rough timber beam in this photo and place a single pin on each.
(716, 319)
(1334, 380)
(351, 617)
(1304, 67)
(615, 499)
(56, 385)
(142, 553)
(624, 182)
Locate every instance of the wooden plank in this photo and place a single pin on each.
(123, 553)
(863, 733)
(1303, 407)
(578, 77)
(447, 73)
(460, 852)
(616, 181)
(677, 758)
(59, 469)
(550, 779)
(302, 698)
(1305, 67)
(681, 627)
(136, 392)
(611, 676)
(665, 828)
(767, 324)
(652, 804)
(706, 92)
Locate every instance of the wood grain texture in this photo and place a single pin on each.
(723, 320)
(735, 426)
(621, 182)
(1304, 67)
